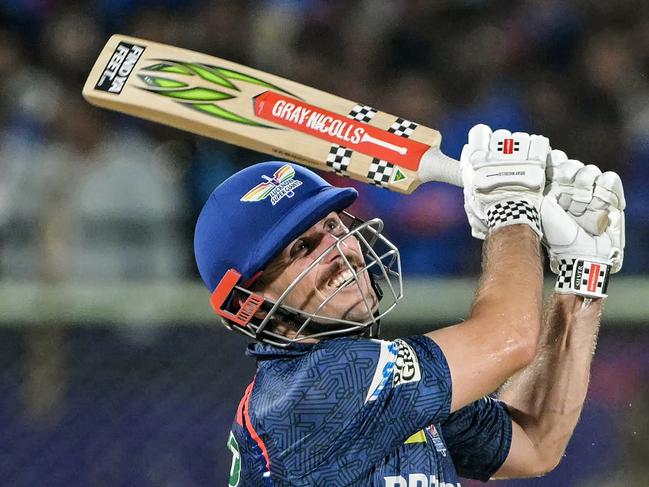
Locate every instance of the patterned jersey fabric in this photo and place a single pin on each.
(361, 412)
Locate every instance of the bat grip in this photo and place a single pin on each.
(435, 166)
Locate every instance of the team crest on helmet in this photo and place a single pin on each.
(281, 185)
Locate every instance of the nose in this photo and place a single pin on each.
(327, 241)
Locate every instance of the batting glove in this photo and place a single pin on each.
(503, 176)
(582, 217)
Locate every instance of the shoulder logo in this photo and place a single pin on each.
(406, 368)
(281, 184)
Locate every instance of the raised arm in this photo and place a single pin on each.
(546, 399)
(503, 181)
(500, 335)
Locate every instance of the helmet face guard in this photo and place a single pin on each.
(257, 316)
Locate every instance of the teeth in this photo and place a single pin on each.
(342, 278)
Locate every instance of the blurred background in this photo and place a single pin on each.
(114, 372)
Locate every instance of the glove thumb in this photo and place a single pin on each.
(559, 228)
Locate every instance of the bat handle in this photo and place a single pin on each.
(435, 166)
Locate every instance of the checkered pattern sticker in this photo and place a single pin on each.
(564, 277)
(339, 157)
(403, 127)
(380, 172)
(583, 277)
(362, 113)
(512, 212)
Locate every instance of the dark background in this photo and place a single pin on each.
(92, 201)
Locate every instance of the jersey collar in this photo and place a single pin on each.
(264, 351)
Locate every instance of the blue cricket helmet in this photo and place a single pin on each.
(254, 214)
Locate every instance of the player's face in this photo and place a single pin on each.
(331, 274)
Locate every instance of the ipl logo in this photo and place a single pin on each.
(280, 185)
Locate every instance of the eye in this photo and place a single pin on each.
(331, 224)
(335, 226)
(299, 246)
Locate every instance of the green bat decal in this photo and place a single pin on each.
(200, 98)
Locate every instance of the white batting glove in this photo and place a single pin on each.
(580, 203)
(503, 176)
(584, 192)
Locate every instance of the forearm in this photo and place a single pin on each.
(546, 398)
(510, 292)
(499, 338)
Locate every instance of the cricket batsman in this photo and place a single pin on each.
(331, 403)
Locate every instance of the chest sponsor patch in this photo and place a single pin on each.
(417, 480)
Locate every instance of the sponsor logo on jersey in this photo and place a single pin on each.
(281, 185)
(384, 368)
(235, 468)
(418, 437)
(417, 480)
(396, 359)
(119, 67)
(406, 367)
(437, 440)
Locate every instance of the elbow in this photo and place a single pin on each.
(529, 347)
(547, 464)
(515, 335)
(524, 347)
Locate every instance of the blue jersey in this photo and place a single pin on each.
(361, 412)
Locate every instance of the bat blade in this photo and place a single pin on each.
(239, 105)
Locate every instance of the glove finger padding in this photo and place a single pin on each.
(615, 231)
(609, 190)
(583, 191)
(583, 188)
(478, 139)
(560, 174)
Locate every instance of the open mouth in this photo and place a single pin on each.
(341, 279)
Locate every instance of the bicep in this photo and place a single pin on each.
(479, 359)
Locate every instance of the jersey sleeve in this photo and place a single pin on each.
(411, 384)
(351, 402)
(479, 437)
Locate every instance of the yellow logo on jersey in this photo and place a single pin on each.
(418, 437)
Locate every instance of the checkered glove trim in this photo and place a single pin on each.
(512, 212)
(583, 277)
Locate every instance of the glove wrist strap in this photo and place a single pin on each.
(584, 277)
(513, 212)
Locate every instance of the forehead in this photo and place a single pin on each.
(279, 262)
(315, 228)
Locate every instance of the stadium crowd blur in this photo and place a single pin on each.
(92, 196)
(121, 195)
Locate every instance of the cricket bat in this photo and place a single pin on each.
(239, 105)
